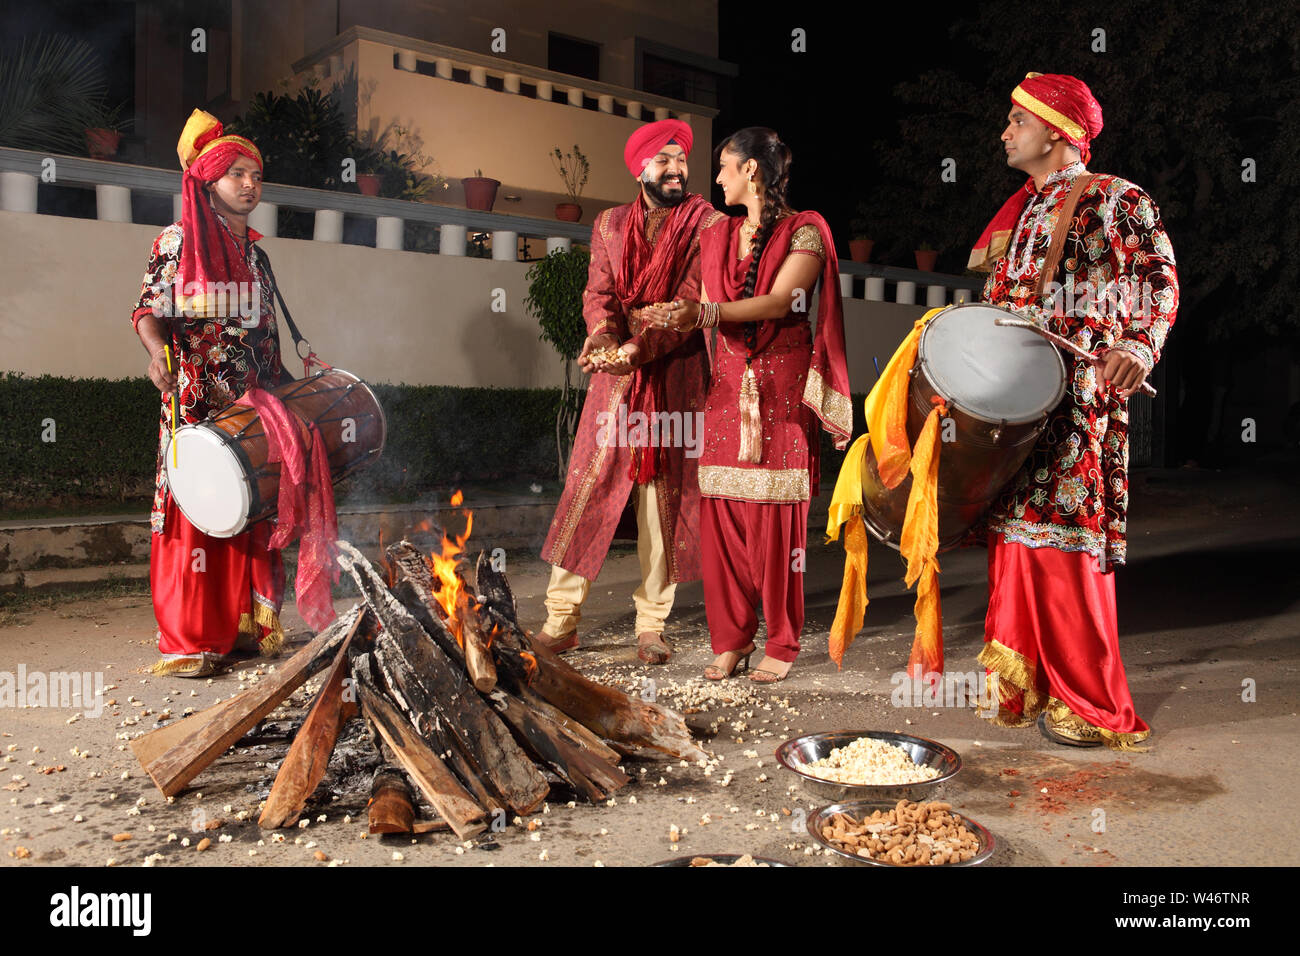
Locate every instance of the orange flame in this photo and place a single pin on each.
(448, 585)
(530, 663)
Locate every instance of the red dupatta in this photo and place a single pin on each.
(649, 275)
(826, 391)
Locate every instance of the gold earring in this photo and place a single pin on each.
(753, 190)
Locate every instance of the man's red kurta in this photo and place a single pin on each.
(675, 368)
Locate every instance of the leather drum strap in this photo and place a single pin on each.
(1048, 272)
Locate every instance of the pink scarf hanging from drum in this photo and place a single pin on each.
(306, 503)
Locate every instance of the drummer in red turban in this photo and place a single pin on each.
(1086, 256)
(205, 317)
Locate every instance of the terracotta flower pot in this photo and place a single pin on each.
(568, 211)
(480, 192)
(369, 183)
(102, 143)
(926, 258)
(860, 249)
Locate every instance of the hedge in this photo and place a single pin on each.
(105, 443)
(105, 440)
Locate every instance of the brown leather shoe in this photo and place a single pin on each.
(557, 645)
(654, 650)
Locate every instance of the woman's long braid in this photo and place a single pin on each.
(775, 166)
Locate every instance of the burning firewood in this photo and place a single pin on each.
(458, 695)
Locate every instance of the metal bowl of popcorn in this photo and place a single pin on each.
(721, 859)
(848, 830)
(869, 765)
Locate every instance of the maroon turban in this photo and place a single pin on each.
(1065, 104)
(645, 144)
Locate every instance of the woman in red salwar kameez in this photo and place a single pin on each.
(774, 379)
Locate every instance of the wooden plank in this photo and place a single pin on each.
(391, 808)
(154, 744)
(309, 754)
(174, 769)
(436, 782)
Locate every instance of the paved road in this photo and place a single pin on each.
(1209, 614)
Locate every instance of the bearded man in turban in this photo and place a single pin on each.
(638, 438)
(205, 317)
(1058, 529)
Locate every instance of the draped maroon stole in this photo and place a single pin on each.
(648, 275)
(724, 277)
(306, 503)
(208, 254)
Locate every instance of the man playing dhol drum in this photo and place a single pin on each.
(205, 317)
(642, 253)
(1058, 529)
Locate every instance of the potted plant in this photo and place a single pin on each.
(926, 257)
(480, 191)
(370, 170)
(555, 287)
(50, 89)
(573, 168)
(104, 130)
(859, 244)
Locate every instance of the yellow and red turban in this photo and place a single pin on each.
(1066, 105)
(646, 143)
(208, 255)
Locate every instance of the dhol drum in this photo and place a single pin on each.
(222, 481)
(1000, 384)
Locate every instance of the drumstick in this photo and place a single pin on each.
(168, 352)
(1064, 343)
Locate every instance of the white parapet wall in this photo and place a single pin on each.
(67, 287)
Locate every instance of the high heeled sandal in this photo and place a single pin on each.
(714, 672)
(763, 676)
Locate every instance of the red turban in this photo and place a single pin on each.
(644, 144)
(1065, 104)
(208, 255)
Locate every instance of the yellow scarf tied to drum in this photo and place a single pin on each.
(886, 414)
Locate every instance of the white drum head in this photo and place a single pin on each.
(996, 373)
(208, 482)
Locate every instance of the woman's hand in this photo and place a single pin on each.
(675, 316)
(595, 343)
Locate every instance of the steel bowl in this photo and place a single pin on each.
(727, 858)
(861, 808)
(793, 754)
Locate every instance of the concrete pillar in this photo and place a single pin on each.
(936, 296)
(329, 226)
(18, 192)
(545, 90)
(606, 103)
(389, 232)
(633, 110)
(113, 203)
(875, 291)
(661, 112)
(963, 296)
(319, 70)
(905, 293)
(406, 61)
(575, 96)
(442, 66)
(451, 239)
(263, 219)
(478, 76)
(510, 82)
(558, 244)
(505, 245)
(178, 208)
(846, 285)
(336, 64)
